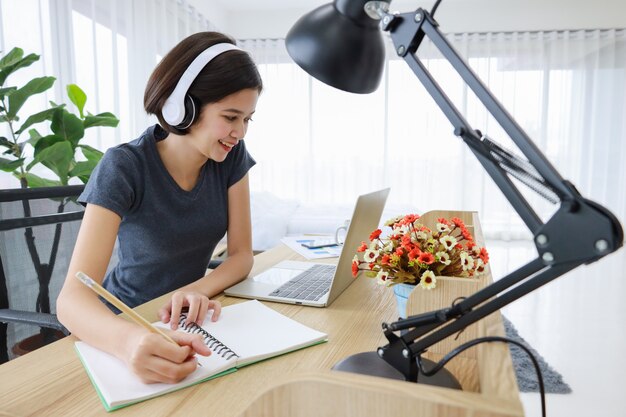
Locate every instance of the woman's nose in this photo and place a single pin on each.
(239, 131)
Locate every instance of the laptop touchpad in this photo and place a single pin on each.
(276, 276)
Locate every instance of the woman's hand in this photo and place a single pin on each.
(198, 305)
(155, 359)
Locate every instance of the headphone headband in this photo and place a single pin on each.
(173, 110)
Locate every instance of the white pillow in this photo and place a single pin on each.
(270, 216)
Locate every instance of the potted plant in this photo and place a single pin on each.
(413, 254)
(59, 150)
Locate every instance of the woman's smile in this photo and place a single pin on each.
(227, 146)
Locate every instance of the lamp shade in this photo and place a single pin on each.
(340, 45)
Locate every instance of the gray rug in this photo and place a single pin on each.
(525, 371)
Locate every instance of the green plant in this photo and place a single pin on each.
(57, 150)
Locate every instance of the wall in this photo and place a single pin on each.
(453, 15)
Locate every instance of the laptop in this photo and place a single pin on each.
(316, 284)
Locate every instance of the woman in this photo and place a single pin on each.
(169, 197)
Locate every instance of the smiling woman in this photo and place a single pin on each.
(169, 197)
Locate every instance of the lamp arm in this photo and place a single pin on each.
(580, 231)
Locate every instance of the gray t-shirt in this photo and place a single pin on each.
(167, 235)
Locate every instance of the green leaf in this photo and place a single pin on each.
(45, 142)
(37, 118)
(8, 165)
(57, 158)
(13, 65)
(83, 169)
(35, 181)
(34, 86)
(34, 137)
(68, 126)
(7, 143)
(4, 92)
(102, 119)
(14, 56)
(78, 97)
(90, 153)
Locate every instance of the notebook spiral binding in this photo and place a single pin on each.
(211, 341)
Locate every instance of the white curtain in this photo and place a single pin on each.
(109, 48)
(566, 89)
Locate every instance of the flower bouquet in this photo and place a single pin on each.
(414, 254)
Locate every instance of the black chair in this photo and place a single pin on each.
(38, 229)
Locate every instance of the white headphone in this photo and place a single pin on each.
(173, 110)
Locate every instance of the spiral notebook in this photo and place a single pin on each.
(245, 333)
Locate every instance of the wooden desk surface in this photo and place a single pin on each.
(52, 382)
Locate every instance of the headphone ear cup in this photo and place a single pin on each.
(191, 110)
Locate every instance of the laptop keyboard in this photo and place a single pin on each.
(310, 285)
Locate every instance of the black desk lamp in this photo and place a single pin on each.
(341, 45)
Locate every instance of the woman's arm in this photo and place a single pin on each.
(80, 310)
(234, 268)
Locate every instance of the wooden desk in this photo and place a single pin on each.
(52, 382)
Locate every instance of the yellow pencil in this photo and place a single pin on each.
(98, 289)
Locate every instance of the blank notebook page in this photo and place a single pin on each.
(255, 331)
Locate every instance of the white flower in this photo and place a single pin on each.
(448, 241)
(389, 247)
(383, 278)
(370, 255)
(442, 227)
(421, 235)
(393, 221)
(428, 280)
(443, 257)
(467, 261)
(402, 230)
(475, 250)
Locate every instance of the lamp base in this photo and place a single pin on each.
(369, 363)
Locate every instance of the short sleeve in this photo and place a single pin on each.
(113, 183)
(241, 164)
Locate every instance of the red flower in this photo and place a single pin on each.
(414, 253)
(399, 251)
(484, 255)
(362, 248)
(409, 219)
(458, 222)
(466, 234)
(443, 220)
(375, 234)
(355, 268)
(385, 260)
(427, 258)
